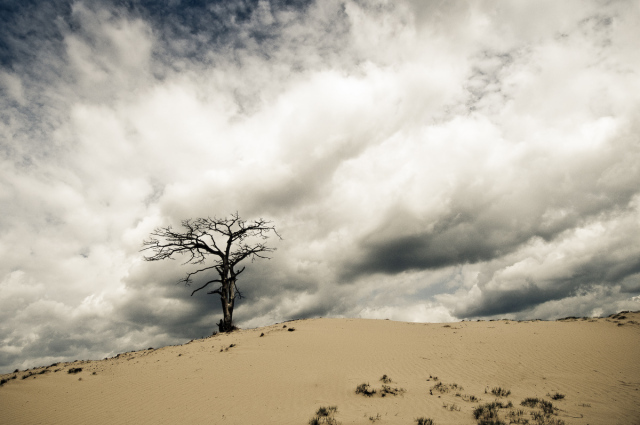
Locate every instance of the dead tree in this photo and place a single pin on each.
(227, 241)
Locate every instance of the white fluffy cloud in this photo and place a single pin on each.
(424, 161)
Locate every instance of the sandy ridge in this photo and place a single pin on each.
(284, 376)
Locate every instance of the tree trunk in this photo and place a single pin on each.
(227, 300)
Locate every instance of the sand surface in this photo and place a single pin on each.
(284, 376)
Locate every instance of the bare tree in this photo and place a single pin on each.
(227, 241)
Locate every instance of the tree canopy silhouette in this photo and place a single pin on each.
(218, 243)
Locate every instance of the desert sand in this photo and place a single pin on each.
(286, 375)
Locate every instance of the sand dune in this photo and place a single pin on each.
(284, 376)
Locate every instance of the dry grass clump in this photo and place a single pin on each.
(500, 392)
(487, 414)
(468, 397)
(387, 390)
(543, 417)
(546, 406)
(365, 389)
(442, 388)
(324, 415)
(5, 380)
(451, 407)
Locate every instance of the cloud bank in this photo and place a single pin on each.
(423, 161)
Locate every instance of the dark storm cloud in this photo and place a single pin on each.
(423, 161)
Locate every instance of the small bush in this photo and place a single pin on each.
(556, 396)
(365, 389)
(291, 329)
(385, 379)
(74, 370)
(424, 421)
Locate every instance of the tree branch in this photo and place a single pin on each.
(205, 285)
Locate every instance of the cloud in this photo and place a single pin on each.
(424, 161)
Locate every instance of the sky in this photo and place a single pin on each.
(426, 161)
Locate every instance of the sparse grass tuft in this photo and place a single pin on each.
(324, 415)
(375, 418)
(365, 389)
(541, 418)
(424, 421)
(445, 388)
(500, 392)
(385, 379)
(326, 411)
(30, 374)
(516, 417)
(468, 397)
(546, 406)
(451, 407)
(391, 391)
(556, 396)
(530, 402)
(487, 414)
